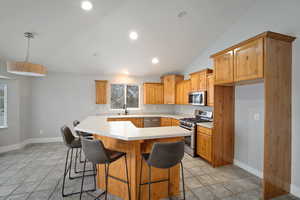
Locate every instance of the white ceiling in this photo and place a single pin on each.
(72, 40)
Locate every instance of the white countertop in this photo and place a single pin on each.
(206, 124)
(125, 130)
(142, 115)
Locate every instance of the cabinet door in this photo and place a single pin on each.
(223, 68)
(165, 121)
(204, 146)
(194, 82)
(101, 87)
(248, 61)
(186, 91)
(175, 122)
(210, 90)
(153, 93)
(169, 90)
(202, 81)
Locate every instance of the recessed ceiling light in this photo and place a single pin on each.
(155, 60)
(133, 35)
(86, 5)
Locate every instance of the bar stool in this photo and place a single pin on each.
(72, 143)
(80, 134)
(164, 155)
(96, 153)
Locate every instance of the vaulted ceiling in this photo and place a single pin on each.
(69, 39)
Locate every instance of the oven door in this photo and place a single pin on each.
(189, 141)
(197, 98)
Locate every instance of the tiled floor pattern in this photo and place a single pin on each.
(35, 173)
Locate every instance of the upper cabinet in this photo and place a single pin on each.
(153, 93)
(182, 92)
(244, 62)
(224, 68)
(101, 89)
(198, 80)
(169, 82)
(248, 61)
(210, 89)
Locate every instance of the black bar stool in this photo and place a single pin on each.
(72, 143)
(163, 155)
(96, 153)
(81, 135)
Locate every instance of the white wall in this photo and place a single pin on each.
(18, 110)
(60, 98)
(275, 15)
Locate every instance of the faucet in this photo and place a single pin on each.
(125, 109)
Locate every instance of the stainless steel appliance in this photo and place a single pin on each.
(191, 125)
(151, 122)
(197, 98)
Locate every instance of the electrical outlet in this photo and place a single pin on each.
(256, 116)
(41, 132)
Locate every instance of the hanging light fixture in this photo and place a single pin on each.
(26, 68)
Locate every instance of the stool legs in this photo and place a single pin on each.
(128, 187)
(182, 176)
(68, 167)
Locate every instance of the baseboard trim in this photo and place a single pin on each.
(295, 190)
(12, 147)
(248, 168)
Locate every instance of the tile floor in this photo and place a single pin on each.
(35, 173)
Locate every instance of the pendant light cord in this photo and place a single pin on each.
(28, 35)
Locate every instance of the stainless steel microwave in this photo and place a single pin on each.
(197, 98)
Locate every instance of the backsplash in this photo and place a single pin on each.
(189, 109)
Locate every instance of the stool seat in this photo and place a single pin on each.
(76, 143)
(114, 155)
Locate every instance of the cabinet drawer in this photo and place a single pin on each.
(204, 130)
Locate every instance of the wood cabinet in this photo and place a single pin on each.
(153, 93)
(174, 122)
(101, 91)
(165, 121)
(198, 80)
(223, 68)
(210, 90)
(242, 63)
(182, 92)
(248, 61)
(204, 143)
(169, 82)
(137, 121)
(266, 57)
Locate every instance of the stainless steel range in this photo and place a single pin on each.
(191, 125)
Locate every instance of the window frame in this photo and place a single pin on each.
(5, 107)
(125, 96)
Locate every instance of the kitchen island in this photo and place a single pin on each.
(124, 136)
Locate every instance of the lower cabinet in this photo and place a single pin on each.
(138, 122)
(167, 121)
(204, 143)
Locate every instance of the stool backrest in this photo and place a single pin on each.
(67, 135)
(75, 123)
(94, 151)
(166, 154)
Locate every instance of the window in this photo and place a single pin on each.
(124, 95)
(3, 105)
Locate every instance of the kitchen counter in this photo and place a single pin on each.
(123, 136)
(125, 130)
(142, 115)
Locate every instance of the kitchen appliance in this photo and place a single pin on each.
(151, 122)
(197, 98)
(191, 125)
